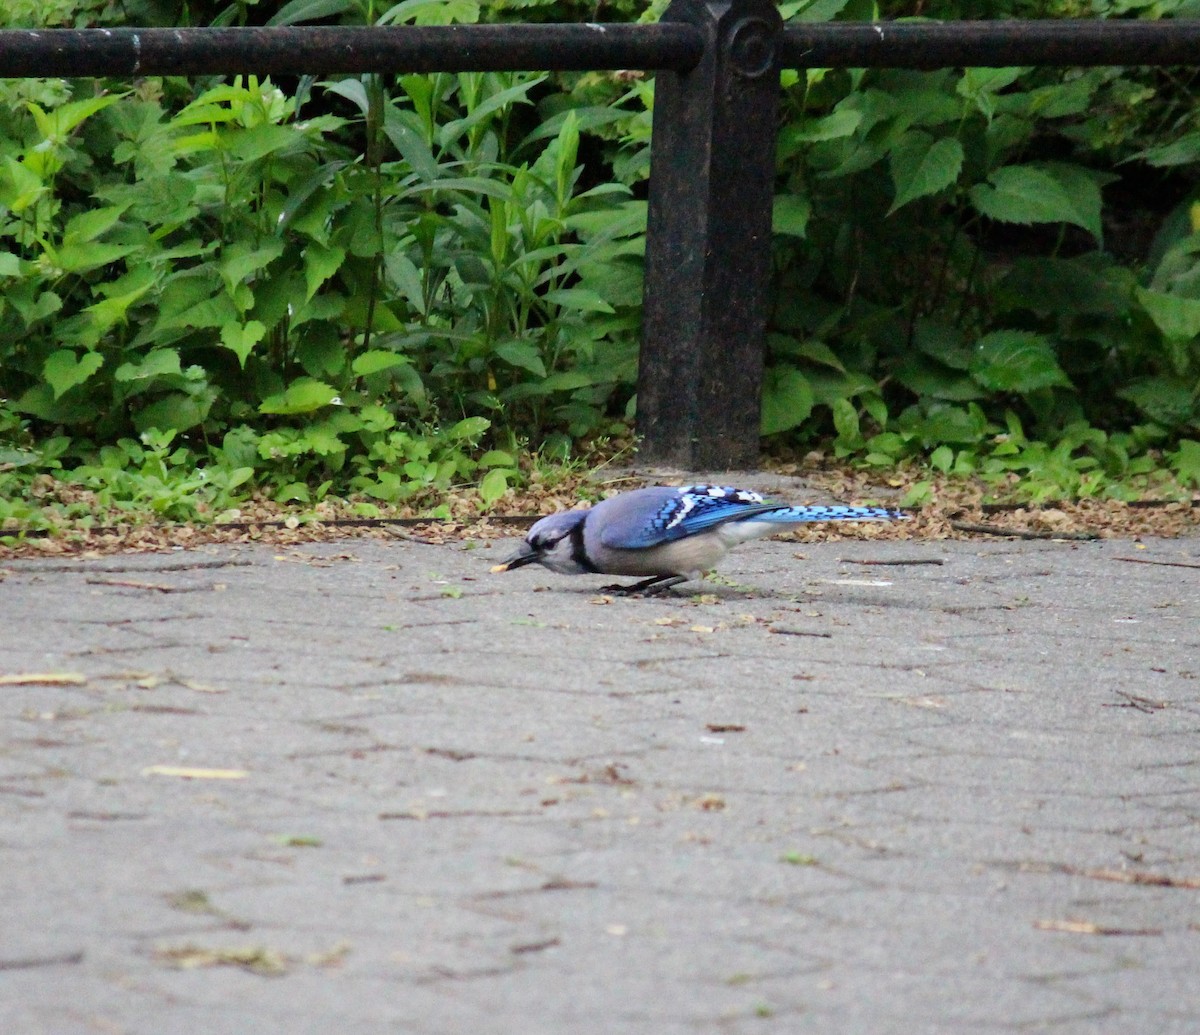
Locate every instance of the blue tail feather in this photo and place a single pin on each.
(793, 515)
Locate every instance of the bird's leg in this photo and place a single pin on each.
(649, 586)
(667, 582)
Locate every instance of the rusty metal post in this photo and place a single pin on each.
(708, 241)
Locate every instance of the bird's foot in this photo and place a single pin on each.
(647, 587)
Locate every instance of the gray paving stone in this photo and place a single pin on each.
(812, 795)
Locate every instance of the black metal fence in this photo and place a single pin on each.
(712, 153)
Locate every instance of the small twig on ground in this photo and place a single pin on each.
(131, 584)
(1142, 704)
(920, 560)
(399, 533)
(1154, 880)
(1142, 877)
(1087, 927)
(1018, 533)
(1162, 564)
(29, 962)
(157, 569)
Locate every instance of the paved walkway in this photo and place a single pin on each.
(368, 787)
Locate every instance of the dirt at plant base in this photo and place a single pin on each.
(957, 511)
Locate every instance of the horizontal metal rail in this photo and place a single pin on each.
(672, 46)
(997, 44)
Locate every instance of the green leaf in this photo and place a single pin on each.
(522, 354)
(300, 192)
(582, 300)
(942, 459)
(493, 102)
(63, 370)
(240, 338)
(1027, 194)
(79, 257)
(175, 412)
(925, 377)
(569, 380)
(298, 11)
(947, 424)
(790, 214)
(494, 484)
(1177, 318)
(1184, 150)
(846, 422)
(31, 309)
(1062, 287)
(303, 395)
(10, 265)
(1016, 361)
(431, 12)
(1170, 401)
(255, 142)
(58, 124)
(787, 400)
(943, 342)
(980, 85)
(1083, 188)
(403, 273)
(818, 352)
(20, 186)
(402, 129)
(922, 165)
(469, 428)
(193, 299)
(567, 145)
(819, 10)
(320, 263)
(243, 258)
(87, 226)
(156, 363)
(122, 293)
(1186, 461)
(375, 360)
(829, 386)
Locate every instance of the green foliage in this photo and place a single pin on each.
(951, 266)
(385, 286)
(220, 265)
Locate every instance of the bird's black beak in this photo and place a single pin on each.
(525, 554)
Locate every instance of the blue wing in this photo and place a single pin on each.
(650, 517)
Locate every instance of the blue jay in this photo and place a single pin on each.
(671, 535)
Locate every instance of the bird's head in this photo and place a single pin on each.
(556, 542)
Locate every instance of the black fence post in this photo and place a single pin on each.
(708, 241)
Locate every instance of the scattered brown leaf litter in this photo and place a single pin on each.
(958, 511)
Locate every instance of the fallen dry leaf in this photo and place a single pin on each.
(254, 958)
(824, 479)
(44, 679)
(1087, 927)
(709, 803)
(191, 773)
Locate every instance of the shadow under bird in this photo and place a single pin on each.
(670, 535)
